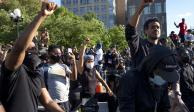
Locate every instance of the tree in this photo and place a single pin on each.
(65, 28)
(7, 27)
(117, 37)
(69, 30)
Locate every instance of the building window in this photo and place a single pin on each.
(96, 9)
(68, 2)
(91, 1)
(104, 1)
(164, 8)
(147, 10)
(158, 8)
(84, 1)
(103, 8)
(82, 10)
(75, 1)
(131, 10)
(96, 0)
(75, 10)
(63, 2)
(89, 9)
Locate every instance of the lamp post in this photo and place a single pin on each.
(16, 17)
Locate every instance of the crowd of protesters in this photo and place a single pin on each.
(151, 75)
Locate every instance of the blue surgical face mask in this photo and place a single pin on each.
(158, 80)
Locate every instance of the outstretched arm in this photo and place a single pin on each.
(103, 83)
(135, 18)
(176, 25)
(16, 56)
(130, 31)
(81, 55)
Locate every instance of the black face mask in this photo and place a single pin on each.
(55, 58)
(31, 61)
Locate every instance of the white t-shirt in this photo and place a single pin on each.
(58, 82)
(98, 56)
(189, 37)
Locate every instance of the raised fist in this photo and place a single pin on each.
(48, 8)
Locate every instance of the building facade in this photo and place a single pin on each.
(121, 8)
(157, 9)
(104, 9)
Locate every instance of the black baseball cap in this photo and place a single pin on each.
(168, 69)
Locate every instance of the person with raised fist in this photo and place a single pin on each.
(140, 46)
(21, 87)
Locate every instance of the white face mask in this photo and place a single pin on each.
(90, 65)
(157, 80)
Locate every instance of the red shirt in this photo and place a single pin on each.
(183, 28)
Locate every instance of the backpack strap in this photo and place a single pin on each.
(45, 68)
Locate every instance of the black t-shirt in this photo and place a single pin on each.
(20, 89)
(111, 60)
(88, 82)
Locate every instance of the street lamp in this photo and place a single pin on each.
(16, 17)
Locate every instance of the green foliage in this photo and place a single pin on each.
(117, 37)
(64, 27)
(89, 16)
(8, 30)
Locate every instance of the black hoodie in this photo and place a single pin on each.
(137, 93)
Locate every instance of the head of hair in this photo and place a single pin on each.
(146, 24)
(52, 47)
(189, 30)
(172, 32)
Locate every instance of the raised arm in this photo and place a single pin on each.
(131, 35)
(16, 56)
(135, 18)
(176, 25)
(81, 55)
(74, 68)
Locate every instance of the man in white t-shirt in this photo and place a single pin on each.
(98, 57)
(189, 36)
(57, 77)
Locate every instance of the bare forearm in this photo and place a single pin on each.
(2, 108)
(53, 106)
(81, 59)
(15, 58)
(74, 72)
(27, 36)
(105, 85)
(82, 51)
(135, 18)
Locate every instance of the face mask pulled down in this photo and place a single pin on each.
(157, 80)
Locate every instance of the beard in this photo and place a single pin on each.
(154, 37)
